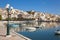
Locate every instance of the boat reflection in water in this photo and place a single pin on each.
(38, 30)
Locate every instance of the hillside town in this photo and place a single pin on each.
(17, 15)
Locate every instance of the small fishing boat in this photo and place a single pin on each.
(57, 32)
(30, 29)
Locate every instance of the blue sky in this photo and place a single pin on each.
(50, 6)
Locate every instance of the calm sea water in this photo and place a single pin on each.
(39, 30)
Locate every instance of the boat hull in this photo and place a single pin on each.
(57, 33)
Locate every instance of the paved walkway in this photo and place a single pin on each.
(3, 34)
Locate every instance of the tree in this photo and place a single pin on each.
(58, 19)
(8, 19)
(0, 17)
(30, 12)
(14, 19)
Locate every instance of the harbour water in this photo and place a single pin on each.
(39, 30)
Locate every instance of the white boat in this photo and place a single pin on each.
(57, 32)
(30, 29)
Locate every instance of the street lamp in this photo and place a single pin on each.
(7, 9)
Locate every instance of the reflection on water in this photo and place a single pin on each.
(34, 30)
(38, 30)
(33, 26)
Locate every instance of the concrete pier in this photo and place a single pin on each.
(14, 35)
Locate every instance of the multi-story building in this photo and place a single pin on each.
(36, 15)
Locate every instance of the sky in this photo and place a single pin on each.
(49, 6)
